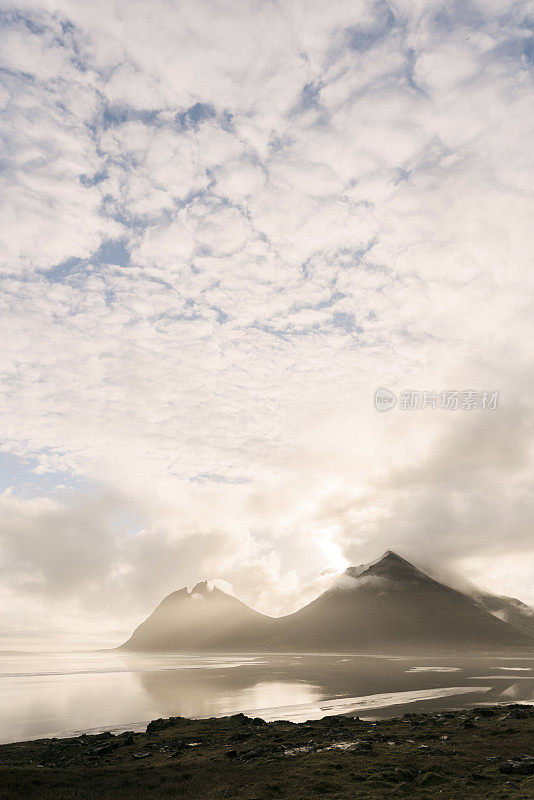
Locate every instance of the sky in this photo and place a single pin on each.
(224, 227)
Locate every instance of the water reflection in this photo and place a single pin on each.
(519, 693)
(56, 694)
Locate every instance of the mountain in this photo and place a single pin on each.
(203, 619)
(391, 605)
(386, 606)
(509, 609)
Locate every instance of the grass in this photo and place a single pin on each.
(450, 756)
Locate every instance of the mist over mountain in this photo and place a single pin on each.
(204, 619)
(392, 604)
(508, 609)
(385, 606)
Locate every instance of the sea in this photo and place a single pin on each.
(65, 694)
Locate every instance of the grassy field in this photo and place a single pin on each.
(463, 754)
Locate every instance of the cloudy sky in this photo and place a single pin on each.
(224, 225)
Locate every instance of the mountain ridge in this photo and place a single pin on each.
(385, 605)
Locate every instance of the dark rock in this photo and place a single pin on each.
(156, 725)
(331, 720)
(162, 724)
(241, 719)
(103, 750)
(298, 751)
(518, 765)
(484, 711)
(248, 754)
(519, 713)
(360, 746)
(231, 754)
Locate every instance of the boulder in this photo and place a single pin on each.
(518, 765)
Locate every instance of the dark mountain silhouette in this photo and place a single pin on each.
(391, 605)
(203, 619)
(386, 606)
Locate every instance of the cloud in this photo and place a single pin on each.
(224, 229)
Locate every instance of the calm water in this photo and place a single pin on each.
(65, 693)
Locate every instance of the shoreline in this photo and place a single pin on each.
(454, 754)
(368, 708)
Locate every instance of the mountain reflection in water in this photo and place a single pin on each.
(57, 694)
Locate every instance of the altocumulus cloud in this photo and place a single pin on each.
(224, 227)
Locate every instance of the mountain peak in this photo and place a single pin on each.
(391, 554)
(387, 560)
(391, 557)
(389, 565)
(203, 588)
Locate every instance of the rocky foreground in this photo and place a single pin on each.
(483, 753)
